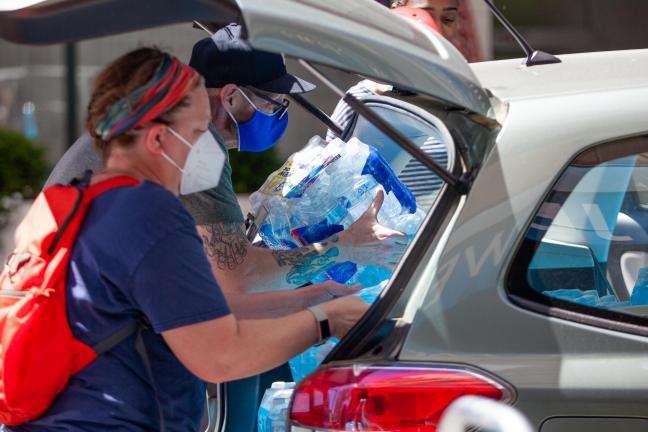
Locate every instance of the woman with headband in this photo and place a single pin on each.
(138, 256)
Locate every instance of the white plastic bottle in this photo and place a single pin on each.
(273, 412)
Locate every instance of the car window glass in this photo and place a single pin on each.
(423, 183)
(588, 243)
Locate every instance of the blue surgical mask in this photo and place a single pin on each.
(262, 131)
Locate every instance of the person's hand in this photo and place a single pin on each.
(343, 313)
(368, 242)
(329, 290)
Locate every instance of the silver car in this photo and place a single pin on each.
(528, 281)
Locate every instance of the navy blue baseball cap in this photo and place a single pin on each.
(226, 58)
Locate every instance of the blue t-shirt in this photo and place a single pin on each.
(138, 253)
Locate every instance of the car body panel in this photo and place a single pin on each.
(558, 367)
(577, 73)
(594, 424)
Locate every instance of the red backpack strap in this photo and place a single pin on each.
(113, 182)
(85, 195)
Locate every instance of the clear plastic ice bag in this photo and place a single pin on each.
(323, 189)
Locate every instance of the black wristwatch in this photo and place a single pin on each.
(322, 319)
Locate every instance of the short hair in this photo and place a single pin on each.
(120, 78)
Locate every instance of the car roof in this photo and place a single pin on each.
(578, 73)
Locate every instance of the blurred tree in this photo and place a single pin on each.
(23, 168)
(250, 170)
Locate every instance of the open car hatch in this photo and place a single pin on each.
(358, 36)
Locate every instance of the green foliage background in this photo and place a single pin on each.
(250, 170)
(23, 167)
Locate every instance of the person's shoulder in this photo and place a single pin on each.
(149, 201)
(217, 205)
(150, 195)
(80, 157)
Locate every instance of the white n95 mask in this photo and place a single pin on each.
(204, 164)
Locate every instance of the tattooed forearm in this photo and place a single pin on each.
(309, 261)
(293, 257)
(311, 265)
(225, 244)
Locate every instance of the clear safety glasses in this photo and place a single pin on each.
(270, 106)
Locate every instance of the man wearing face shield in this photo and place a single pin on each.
(246, 90)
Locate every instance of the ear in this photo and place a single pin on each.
(227, 96)
(155, 136)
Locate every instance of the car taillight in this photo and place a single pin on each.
(397, 399)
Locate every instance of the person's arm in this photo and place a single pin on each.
(241, 268)
(172, 285)
(343, 113)
(226, 349)
(272, 304)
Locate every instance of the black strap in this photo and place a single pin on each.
(116, 338)
(140, 347)
(66, 222)
(135, 327)
(81, 182)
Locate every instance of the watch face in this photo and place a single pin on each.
(325, 329)
(322, 320)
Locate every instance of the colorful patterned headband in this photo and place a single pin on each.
(172, 81)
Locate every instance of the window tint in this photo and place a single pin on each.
(588, 244)
(428, 133)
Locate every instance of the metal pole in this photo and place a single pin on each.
(71, 96)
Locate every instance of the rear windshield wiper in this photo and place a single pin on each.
(457, 183)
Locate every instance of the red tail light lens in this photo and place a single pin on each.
(397, 399)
